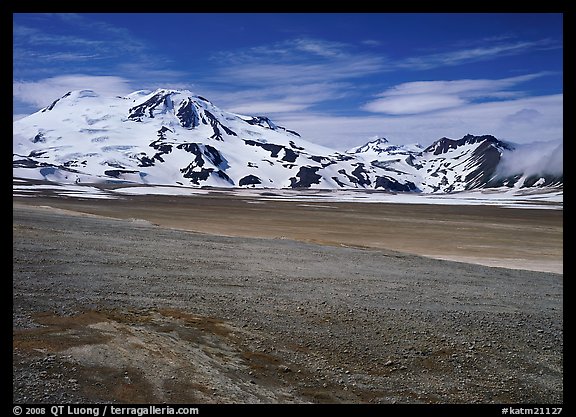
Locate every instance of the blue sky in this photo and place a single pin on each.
(337, 78)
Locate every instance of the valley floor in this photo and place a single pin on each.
(145, 300)
(525, 238)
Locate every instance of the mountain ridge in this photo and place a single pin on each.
(175, 137)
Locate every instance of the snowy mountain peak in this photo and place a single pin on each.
(71, 97)
(374, 144)
(174, 137)
(445, 144)
(183, 103)
(379, 146)
(377, 140)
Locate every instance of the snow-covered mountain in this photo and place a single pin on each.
(381, 147)
(175, 137)
(450, 165)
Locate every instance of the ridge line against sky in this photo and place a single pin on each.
(337, 79)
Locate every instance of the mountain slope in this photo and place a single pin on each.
(450, 165)
(172, 137)
(176, 137)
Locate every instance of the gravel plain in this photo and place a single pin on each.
(125, 311)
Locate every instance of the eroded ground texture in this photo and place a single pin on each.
(122, 310)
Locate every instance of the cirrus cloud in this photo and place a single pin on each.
(425, 96)
(42, 92)
(479, 118)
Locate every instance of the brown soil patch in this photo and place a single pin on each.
(494, 236)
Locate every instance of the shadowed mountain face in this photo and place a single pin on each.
(175, 137)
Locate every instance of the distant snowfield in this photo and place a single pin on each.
(81, 191)
(511, 198)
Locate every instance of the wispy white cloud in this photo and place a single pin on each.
(413, 103)
(275, 99)
(524, 116)
(89, 33)
(267, 107)
(371, 42)
(280, 98)
(490, 50)
(305, 61)
(425, 96)
(23, 56)
(344, 132)
(297, 60)
(296, 49)
(267, 73)
(321, 48)
(288, 76)
(90, 45)
(308, 59)
(533, 159)
(35, 37)
(43, 92)
(68, 56)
